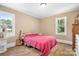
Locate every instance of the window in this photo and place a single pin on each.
(61, 25)
(7, 23)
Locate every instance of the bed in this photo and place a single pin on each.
(43, 43)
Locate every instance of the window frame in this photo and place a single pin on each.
(13, 23)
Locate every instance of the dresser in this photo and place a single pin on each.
(77, 44)
(75, 30)
(3, 43)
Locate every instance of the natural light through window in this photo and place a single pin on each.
(7, 23)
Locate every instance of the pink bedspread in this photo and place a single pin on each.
(43, 43)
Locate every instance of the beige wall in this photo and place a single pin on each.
(23, 21)
(48, 25)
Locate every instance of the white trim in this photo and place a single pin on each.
(65, 41)
(12, 44)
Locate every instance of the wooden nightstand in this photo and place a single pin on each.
(18, 42)
(19, 39)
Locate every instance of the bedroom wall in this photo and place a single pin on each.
(48, 25)
(23, 21)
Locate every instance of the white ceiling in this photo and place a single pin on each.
(35, 10)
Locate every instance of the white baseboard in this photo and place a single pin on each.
(65, 41)
(12, 44)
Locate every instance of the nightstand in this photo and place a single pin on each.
(18, 42)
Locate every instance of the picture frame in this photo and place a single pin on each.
(61, 25)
